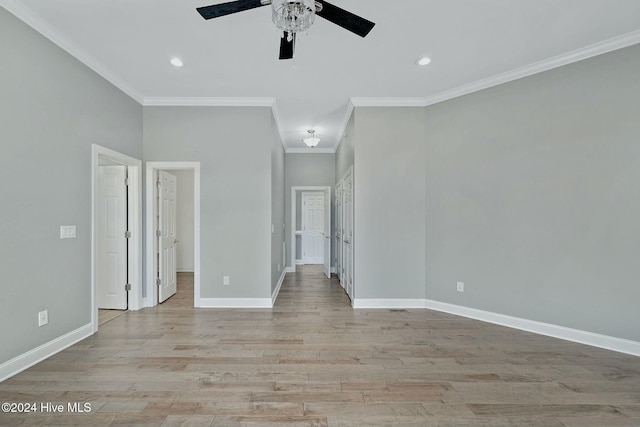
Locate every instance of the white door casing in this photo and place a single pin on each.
(168, 238)
(347, 235)
(313, 227)
(111, 242)
(338, 233)
(327, 233)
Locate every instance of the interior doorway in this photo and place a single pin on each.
(116, 233)
(172, 228)
(297, 232)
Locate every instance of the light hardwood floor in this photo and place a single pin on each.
(314, 361)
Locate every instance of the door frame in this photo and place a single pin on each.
(151, 294)
(327, 190)
(134, 212)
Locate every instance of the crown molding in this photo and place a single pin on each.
(571, 57)
(388, 102)
(345, 123)
(32, 19)
(310, 151)
(278, 120)
(150, 101)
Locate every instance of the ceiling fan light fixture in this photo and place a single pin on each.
(312, 140)
(293, 16)
(176, 62)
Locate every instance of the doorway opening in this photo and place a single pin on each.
(116, 234)
(311, 227)
(172, 229)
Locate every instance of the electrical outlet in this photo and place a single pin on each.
(43, 318)
(225, 280)
(460, 287)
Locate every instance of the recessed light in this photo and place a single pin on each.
(423, 61)
(176, 62)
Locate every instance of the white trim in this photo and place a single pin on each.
(235, 303)
(38, 354)
(289, 270)
(187, 270)
(278, 120)
(134, 170)
(298, 262)
(387, 303)
(345, 123)
(310, 151)
(567, 58)
(150, 101)
(276, 291)
(151, 299)
(294, 188)
(620, 345)
(388, 102)
(36, 22)
(561, 332)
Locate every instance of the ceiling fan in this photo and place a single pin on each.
(292, 17)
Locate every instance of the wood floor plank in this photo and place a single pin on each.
(314, 361)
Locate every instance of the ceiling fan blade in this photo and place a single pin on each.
(345, 19)
(217, 10)
(287, 47)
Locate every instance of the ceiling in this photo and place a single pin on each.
(233, 60)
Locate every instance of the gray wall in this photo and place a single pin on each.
(277, 205)
(52, 109)
(533, 197)
(235, 198)
(307, 170)
(389, 203)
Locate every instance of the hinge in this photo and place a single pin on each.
(158, 183)
(127, 287)
(126, 182)
(127, 234)
(158, 282)
(158, 233)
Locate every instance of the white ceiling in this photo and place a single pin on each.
(473, 44)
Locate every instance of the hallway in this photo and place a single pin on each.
(314, 361)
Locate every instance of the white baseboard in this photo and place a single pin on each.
(235, 303)
(299, 262)
(333, 270)
(290, 270)
(276, 291)
(388, 303)
(185, 270)
(38, 354)
(575, 335)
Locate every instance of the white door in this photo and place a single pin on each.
(168, 239)
(111, 241)
(313, 224)
(347, 235)
(327, 233)
(339, 232)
